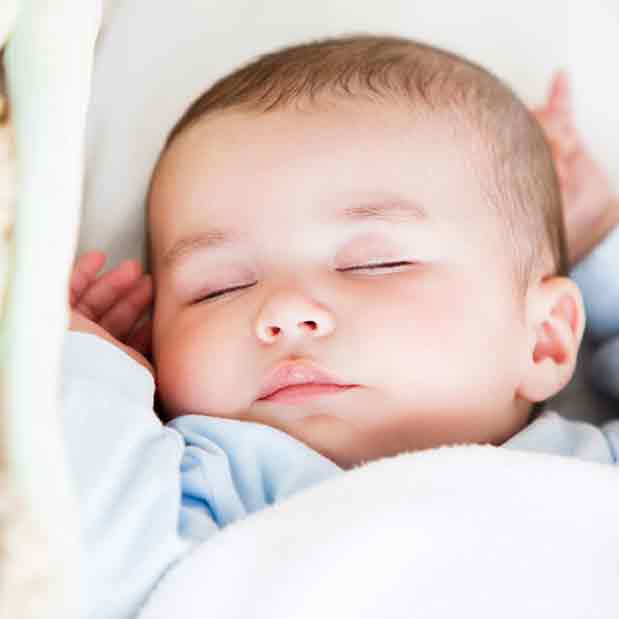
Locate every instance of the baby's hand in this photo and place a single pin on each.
(112, 305)
(590, 209)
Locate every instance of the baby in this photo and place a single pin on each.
(357, 250)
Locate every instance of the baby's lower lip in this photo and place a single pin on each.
(297, 393)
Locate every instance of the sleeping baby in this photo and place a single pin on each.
(357, 249)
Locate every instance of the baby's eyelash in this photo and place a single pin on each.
(382, 265)
(218, 293)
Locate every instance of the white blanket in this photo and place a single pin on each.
(466, 531)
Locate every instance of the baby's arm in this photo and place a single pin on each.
(125, 467)
(591, 213)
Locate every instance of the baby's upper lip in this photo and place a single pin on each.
(296, 373)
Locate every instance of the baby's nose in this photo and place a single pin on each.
(291, 316)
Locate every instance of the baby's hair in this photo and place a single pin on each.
(518, 178)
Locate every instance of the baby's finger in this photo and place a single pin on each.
(141, 338)
(84, 273)
(552, 125)
(561, 108)
(560, 97)
(108, 289)
(560, 167)
(120, 319)
(562, 137)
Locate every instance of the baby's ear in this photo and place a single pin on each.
(555, 322)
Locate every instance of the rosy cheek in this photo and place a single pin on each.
(208, 365)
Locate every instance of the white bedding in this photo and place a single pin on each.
(467, 531)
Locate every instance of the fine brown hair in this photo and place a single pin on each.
(521, 184)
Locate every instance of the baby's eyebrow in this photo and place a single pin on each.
(392, 211)
(398, 210)
(209, 239)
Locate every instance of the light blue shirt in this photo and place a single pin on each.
(150, 492)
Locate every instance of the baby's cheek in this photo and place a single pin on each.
(199, 372)
(434, 349)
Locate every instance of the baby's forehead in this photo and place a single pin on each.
(205, 158)
(318, 127)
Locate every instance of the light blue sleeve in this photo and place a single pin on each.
(125, 465)
(232, 468)
(552, 433)
(611, 432)
(597, 277)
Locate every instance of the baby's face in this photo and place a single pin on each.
(356, 240)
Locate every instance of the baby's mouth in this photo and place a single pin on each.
(294, 394)
(292, 382)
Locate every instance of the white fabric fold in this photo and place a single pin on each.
(467, 531)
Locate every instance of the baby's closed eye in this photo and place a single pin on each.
(373, 267)
(379, 265)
